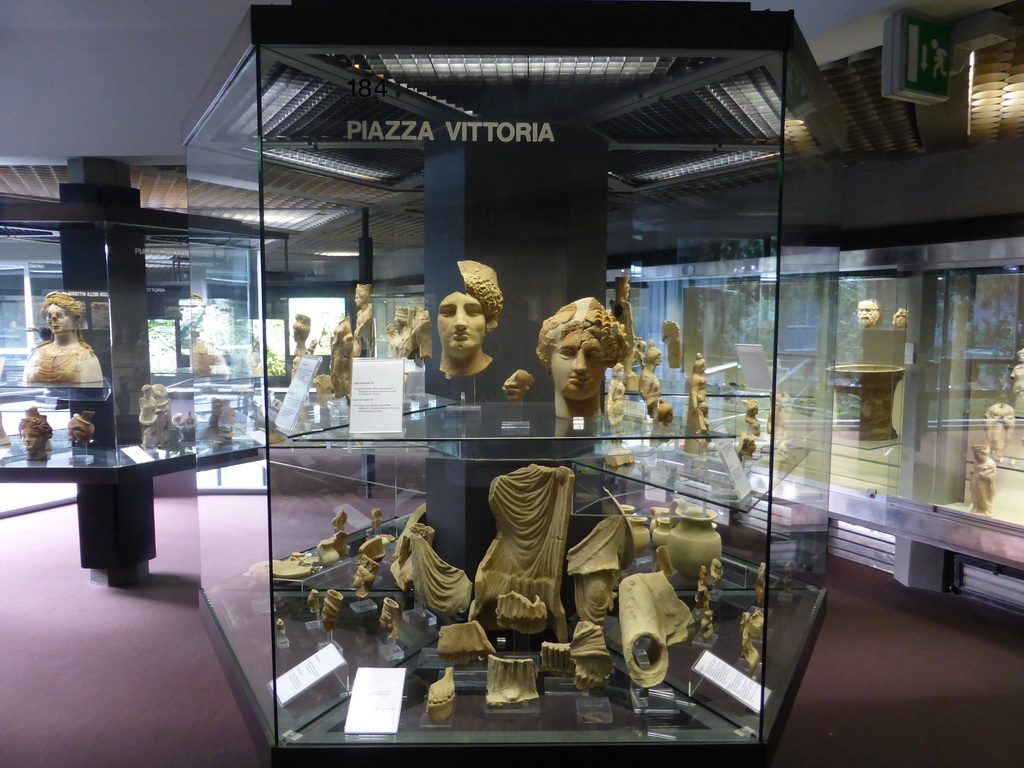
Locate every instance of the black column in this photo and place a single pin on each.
(534, 212)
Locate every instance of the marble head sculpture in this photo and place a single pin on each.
(868, 313)
(464, 319)
(576, 345)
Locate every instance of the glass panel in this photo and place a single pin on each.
(223, 347)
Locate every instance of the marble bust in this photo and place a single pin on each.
(66, 358)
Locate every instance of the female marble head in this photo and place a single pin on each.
(63, 313)
(463, 319)
(576, 345)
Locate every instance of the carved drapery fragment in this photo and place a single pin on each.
(443, 587)
(515, 611)
(531, 508)
(463, 643)
(595, 565)
(510, 681)
(590, 656)
(401, 565)
(556, 659)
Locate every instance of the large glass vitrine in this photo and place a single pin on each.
(942, 472)
(617, 169)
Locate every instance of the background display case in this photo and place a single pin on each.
(954, 389)
(649, 144)
(129, 268)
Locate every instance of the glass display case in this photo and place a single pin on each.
(940, 468)
(95, 384)
(487, 534)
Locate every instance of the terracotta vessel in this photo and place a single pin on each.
(638, 531)
(694, 542)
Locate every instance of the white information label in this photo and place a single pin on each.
(308, 673)
(136, 454)
(730, 680)
(288, 415)
(376, 395)
(908, 353)
(376, 700)
(257, 436)
(756, 374)
(735, 467)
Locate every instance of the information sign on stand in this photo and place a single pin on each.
(727, 452)
(376, 396)
(731, 680)
(298, 390)
(303, 676)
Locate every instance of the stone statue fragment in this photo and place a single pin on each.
(649, 386)
(515, 611)
(999, 423)
(463, 643)
(332, 605)
(441, 697)
(651, 618)
(590, 656)
(556, 659)
(748, 650)
(510, 681)
(376, 547)
(442, 587)
(364, 335)
(401, 558)
(697, 407)
(408, 334)
(390, 617)
(531, 508)
(517, 385)
(983, 481)
(464, 319)
(615, 397)
(300, 334)
(670, 336)
(595, 565)
(342, 343)
(366, 575)
(80, 429)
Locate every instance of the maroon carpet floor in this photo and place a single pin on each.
(92, 676)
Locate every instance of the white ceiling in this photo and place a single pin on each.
(59, 60)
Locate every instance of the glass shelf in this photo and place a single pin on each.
(508, 422)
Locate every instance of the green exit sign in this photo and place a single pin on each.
(916, 60)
